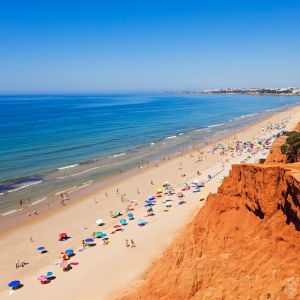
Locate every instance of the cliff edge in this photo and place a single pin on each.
(243, 244)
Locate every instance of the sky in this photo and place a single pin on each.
(158, 45)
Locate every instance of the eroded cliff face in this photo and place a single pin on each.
(243, 244)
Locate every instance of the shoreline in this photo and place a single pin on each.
(17, 215)
(78, 215)
(50, 183)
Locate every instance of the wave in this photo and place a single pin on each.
(38, 201)
(171, 137)
(216, 125)
(181, 133)
(24, 186)
(67, 190)
(201, 129)
(67, 167)
(11, 212)
(119, 154)
(273, 109)
(245, 116)
(76, 174)
(152, 144)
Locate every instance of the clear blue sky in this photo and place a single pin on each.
(94, 46)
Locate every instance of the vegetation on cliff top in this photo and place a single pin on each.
(292, 147)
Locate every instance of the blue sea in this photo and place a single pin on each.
(53, 142)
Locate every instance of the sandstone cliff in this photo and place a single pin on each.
(243, 244)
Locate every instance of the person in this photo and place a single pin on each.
(126, 243)
(21, 202)
(83, 243)
(132, 243)
(17, 264)
(138, 191)
(151, 182)
(31, 239)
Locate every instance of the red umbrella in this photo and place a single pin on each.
(117, 226)
(63, 235)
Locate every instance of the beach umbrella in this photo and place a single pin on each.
(141, 222)
(41, 248)
(130, 216)
(42, 278)
(152, 198)
(63, 235)
(98, 234)
(148, 203)
(89, 240)
(49, 274)
(117, 226)
(99, 222)
(14, 283)
(69, 252)
(123, 221)
(159, 191)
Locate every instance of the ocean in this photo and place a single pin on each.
(51, 143)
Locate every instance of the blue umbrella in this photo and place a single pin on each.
(41, 248)
(141, 222)
(69, 252)
(130, 216)
(152, 198)
(89, 240)
(123, 221)
(49, 274)
(14, 284)
(102, 235)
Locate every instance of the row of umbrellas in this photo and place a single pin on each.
(62, 236)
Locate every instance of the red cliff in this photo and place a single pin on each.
(243, 244)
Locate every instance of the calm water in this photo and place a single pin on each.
(53, 142)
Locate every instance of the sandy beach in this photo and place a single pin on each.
(105, 270)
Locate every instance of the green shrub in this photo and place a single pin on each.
(292, 146)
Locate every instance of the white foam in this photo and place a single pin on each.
(181, 133)
(76, 174)
(38, 201)
(171, 137)
(80, 187)
(152, 144)
(70, 189)
(120, 154)
(11, 212)
(216, 125)
(67, 167)
(24, 186)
